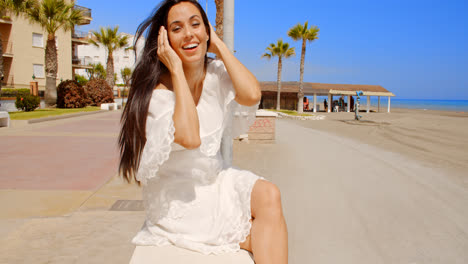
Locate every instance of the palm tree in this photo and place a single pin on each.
(112, 41)
(302, 32)
(280, 50)
(126, 74)
(53, 15)
(96, 71)
(219, 18)
(17, 7)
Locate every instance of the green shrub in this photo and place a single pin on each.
(27, 102)
(81, 79)
(99, 92)
(70, 94)
(124, 92)
(7, 92)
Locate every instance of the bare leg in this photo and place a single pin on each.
(268, 240)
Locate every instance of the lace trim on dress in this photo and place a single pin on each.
(157, 148)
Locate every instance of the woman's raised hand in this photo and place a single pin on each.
(165, 52)
(215, 41)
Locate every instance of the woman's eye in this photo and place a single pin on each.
(175, 29)
(195, 24)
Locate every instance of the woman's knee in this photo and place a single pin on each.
(266, 197)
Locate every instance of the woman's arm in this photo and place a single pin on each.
(186, 124)
(245, 84)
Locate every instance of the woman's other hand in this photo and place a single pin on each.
(165, 52)
(215, 41)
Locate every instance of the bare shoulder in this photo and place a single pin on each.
(164, 83)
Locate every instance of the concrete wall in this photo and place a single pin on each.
(122, 58)
(25, 54)
(18, 36)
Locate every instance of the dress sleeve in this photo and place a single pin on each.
(240, 117)
(159, 135)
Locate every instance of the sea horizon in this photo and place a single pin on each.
(422, 104)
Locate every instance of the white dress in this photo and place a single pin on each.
(194, 199)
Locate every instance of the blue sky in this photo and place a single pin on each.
(416, 49)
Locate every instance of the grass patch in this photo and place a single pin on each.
(50, 112)
(290, 112)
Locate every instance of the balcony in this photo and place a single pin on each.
(7, 49)
(86, 13)
(79, 37)
(5, 18)
(8, 81)
(81, 62)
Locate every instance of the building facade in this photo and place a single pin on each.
(24, 51)
(124, 57)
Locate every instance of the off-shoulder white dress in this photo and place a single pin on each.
(195, 199)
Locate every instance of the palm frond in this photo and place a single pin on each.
(53, 15)
(267, 55)
(280, 49)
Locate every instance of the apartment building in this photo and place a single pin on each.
(24, 50)
(124, 57)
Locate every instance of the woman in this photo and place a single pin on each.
(176, 126)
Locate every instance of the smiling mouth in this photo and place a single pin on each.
(190, 46)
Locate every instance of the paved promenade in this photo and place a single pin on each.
(344, 202)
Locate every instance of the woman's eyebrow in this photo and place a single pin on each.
(177, 21)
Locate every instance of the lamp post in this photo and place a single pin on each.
(228, 24)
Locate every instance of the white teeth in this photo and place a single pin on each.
(190, 46)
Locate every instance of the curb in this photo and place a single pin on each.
(313, 117)
(52, 118)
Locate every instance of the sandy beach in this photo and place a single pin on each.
(436, 138)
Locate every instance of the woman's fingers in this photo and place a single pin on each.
(165, 52)
(165, 40)
(160, 38)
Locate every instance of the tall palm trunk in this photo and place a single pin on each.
(1, 62)
(300, 95)
(278, 81)
(219, 18)
(51, 71)
(110, 70)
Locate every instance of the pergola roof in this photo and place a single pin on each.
(327, 88)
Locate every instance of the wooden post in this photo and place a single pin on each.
(34, 88)
(368, 104)
(315, 102)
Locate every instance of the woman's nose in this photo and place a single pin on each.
(188, 32)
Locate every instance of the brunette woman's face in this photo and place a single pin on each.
(187, 33)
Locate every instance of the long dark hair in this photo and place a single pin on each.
(145, 77)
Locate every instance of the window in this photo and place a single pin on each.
(38, 70)
(88, 60)
(37, 40)
(126, 59)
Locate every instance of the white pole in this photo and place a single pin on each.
(228, 23)
(378, 108)
(329, 102)
(368, 104)
(388, 107)
(315, 102)
(349, 103)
